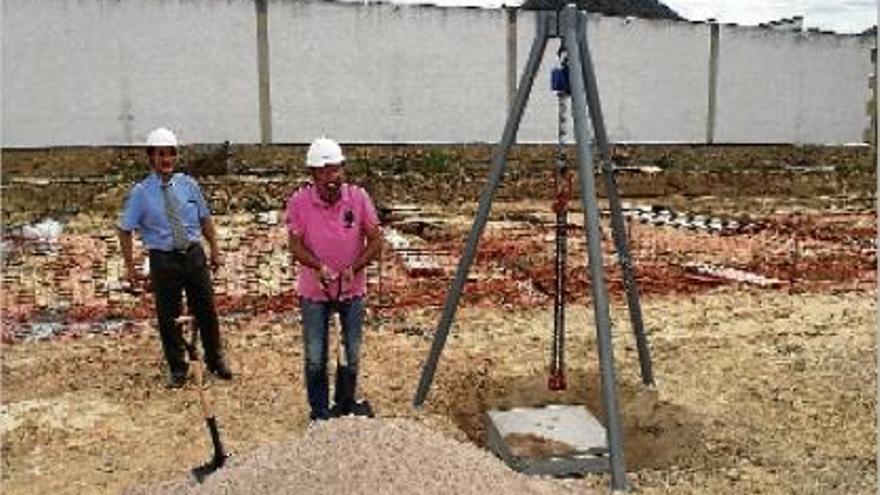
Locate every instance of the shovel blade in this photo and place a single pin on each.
(201, 472)
(206, 469)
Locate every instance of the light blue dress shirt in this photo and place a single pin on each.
(144, 210)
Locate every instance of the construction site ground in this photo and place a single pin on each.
(756, 268)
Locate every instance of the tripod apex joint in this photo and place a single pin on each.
(552, 4)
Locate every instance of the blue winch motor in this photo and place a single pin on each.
(559, 79)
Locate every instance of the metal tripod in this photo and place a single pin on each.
(570, 25)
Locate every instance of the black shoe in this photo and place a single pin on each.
(354, 408)
(346, 384)
(314, 417)
(220, 370)
(177, 380)
(363, 408)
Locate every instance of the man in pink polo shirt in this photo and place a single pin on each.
(334, 234)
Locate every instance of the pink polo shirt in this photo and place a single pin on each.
(335, 234)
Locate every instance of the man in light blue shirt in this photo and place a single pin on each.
(169, 211)
(145, 211)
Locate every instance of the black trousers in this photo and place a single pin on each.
(172, 273)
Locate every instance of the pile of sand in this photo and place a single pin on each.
(356, 455)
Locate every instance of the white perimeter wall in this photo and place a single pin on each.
(792, 87)
(104, 72)
(93, 72)
(386, 74)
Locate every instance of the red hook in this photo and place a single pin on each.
(556, 381)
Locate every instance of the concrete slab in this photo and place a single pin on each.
(550, 440)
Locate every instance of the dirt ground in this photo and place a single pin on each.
(765, 372)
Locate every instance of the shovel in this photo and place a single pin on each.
(219, 459)
(344, 402)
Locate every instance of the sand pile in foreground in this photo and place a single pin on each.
(357, 455)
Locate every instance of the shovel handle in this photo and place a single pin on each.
(198, 372)
(191, 344)
(198, 367)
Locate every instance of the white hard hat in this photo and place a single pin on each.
(161, 137)
(323, 152)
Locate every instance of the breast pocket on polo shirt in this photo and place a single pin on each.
(191, 210)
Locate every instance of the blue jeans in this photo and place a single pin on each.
(316, 326)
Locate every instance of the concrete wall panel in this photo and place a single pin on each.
(385, 73)
(777, 86)
(106, 72)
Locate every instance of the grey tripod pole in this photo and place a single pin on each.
(618, 225)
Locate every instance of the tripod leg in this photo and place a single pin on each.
(499, 163)
(594, 248)
(618, 228)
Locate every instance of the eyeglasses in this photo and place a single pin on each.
(162, 152)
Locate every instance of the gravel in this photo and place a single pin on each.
(376, 456)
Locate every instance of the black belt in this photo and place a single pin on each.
(185, 250)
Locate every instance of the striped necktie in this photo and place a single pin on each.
(172, 208)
